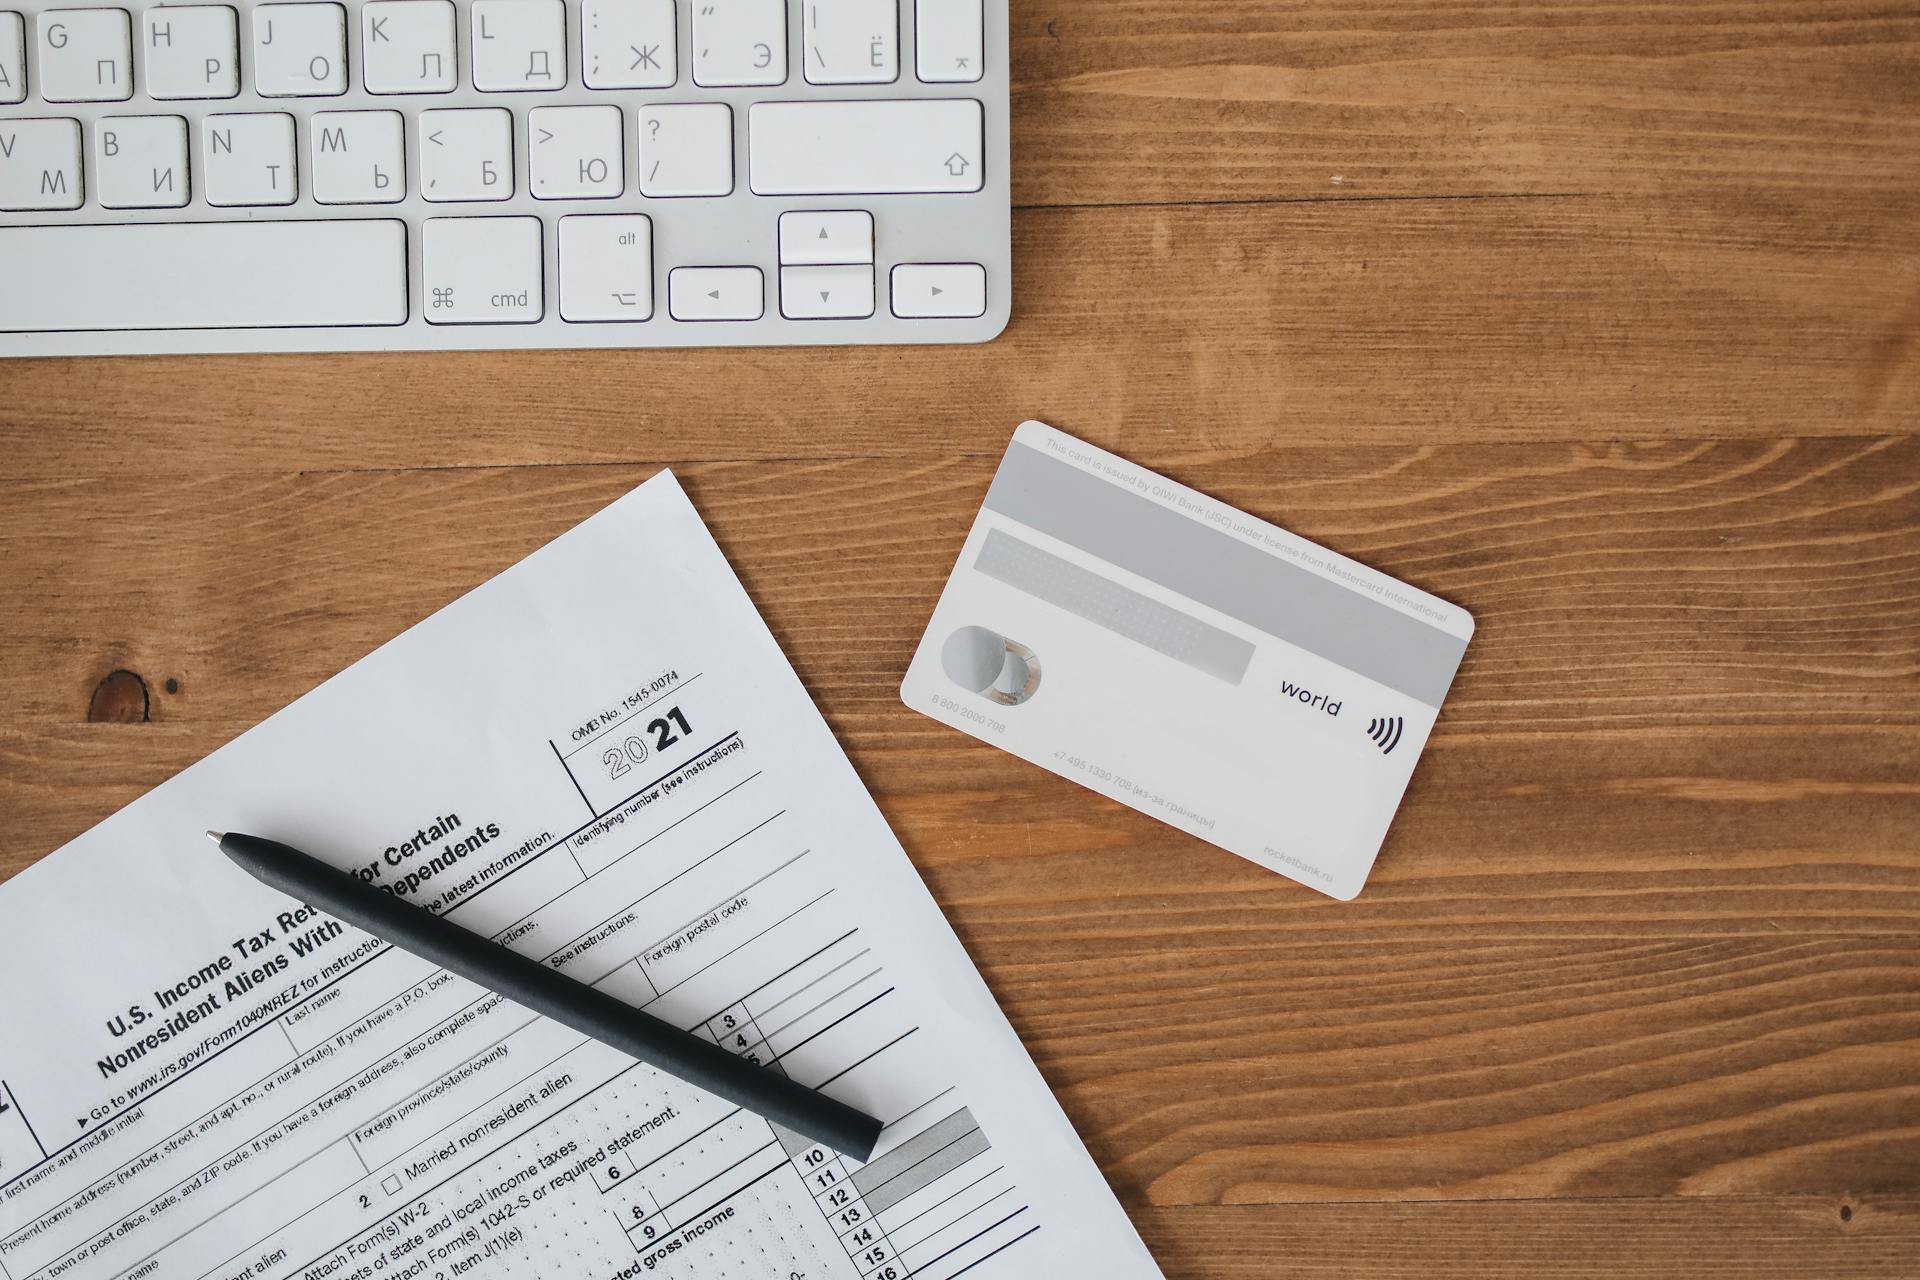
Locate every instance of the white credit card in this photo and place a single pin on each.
(1186, 659)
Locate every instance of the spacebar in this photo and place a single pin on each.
(204, 275)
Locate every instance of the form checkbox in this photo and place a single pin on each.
(391, 1184)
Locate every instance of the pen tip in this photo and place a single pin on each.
(216, 836)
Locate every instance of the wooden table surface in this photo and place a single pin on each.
(1602, 320)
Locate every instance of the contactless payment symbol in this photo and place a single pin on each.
(1385, 733)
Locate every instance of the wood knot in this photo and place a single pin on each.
(119, 698)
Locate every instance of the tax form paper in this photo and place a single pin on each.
(601, 759)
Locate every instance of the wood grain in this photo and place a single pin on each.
(1566, 979)
(1618, 586)
(1164, 330)
(1133, 101)
(1737, 1239)
(1601, 319)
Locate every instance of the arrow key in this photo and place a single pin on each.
(716, 293)
(826, 293)
(826, 237)
(939, 290)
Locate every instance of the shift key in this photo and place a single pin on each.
(903, 146)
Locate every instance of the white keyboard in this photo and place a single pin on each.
(434, 174)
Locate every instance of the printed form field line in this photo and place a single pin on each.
(506, 1141)
(262, 1188)
(698, 1214)
(620, 911)
(772, 1144)
(404, 1119)
(935, 1230)
(954, 1195)
(700, 915)
(611, 725)
(922, 1107)
(953, 1275)
(481, 1105)
(970, 1239)
(824, 1002)
(866, 1004)
(457, 1013)
(513, 1087)
(21, 1112)
(864, 1061)
(384, 950)
(333, 983)
(624, 801)
(528, 915)
(790, 968)
(578, 789)
(669, 990)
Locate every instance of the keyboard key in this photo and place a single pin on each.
(192, 51)
(818, 238)
(248, 159)
(857, 148)
(482, 270)
(739, 42)
(39, 169)
(934, 290)
(466, 153)
(519, 45)
(13, 58)
(826, 293)
(359, 157)
(574, 153)
(606, 267)
(233, 114)
(204, 275)
(850, 41)
(407, 46)
(686, 150)
(299, 50)
(715, 293)
(947, 41)
(86, 55)
(628, 44)
(140, 162)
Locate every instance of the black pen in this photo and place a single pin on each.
(547, 991)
